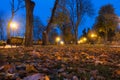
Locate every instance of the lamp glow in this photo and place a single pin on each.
(57, 39)
(82, 40)
(13, 25)
(85, 39)
(93, 35)
(62, 42)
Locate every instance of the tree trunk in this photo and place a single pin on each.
(45, 39)
(76, 30)
(106, 36)
(76, 41)
(29, 23)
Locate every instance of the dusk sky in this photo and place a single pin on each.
(43, 10)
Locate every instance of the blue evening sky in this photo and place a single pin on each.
(43, 10)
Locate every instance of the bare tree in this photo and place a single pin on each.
(13, 12)
(77, 10)
(46, 32)
(38, 28)
(29, 23)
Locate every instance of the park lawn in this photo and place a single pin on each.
(64, 62)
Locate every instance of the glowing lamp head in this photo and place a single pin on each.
(57, 39)
(13, 25)
(62, 42)
(85, 39)
(80, 41)
(93, 35)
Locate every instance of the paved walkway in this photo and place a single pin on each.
(8, 46)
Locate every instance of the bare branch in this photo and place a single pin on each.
(19, 5)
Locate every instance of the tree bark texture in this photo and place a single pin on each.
(29, 23)
(45, 38)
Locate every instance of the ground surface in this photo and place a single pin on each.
(60, 62)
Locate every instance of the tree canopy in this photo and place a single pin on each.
(106, 20)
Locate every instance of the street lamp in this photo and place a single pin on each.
(57, 39)
(82, 40)
(62, 42)
(93, 35)
(13, 26)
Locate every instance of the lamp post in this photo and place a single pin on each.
(93, 37)
(57, 39)
(13, 26)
